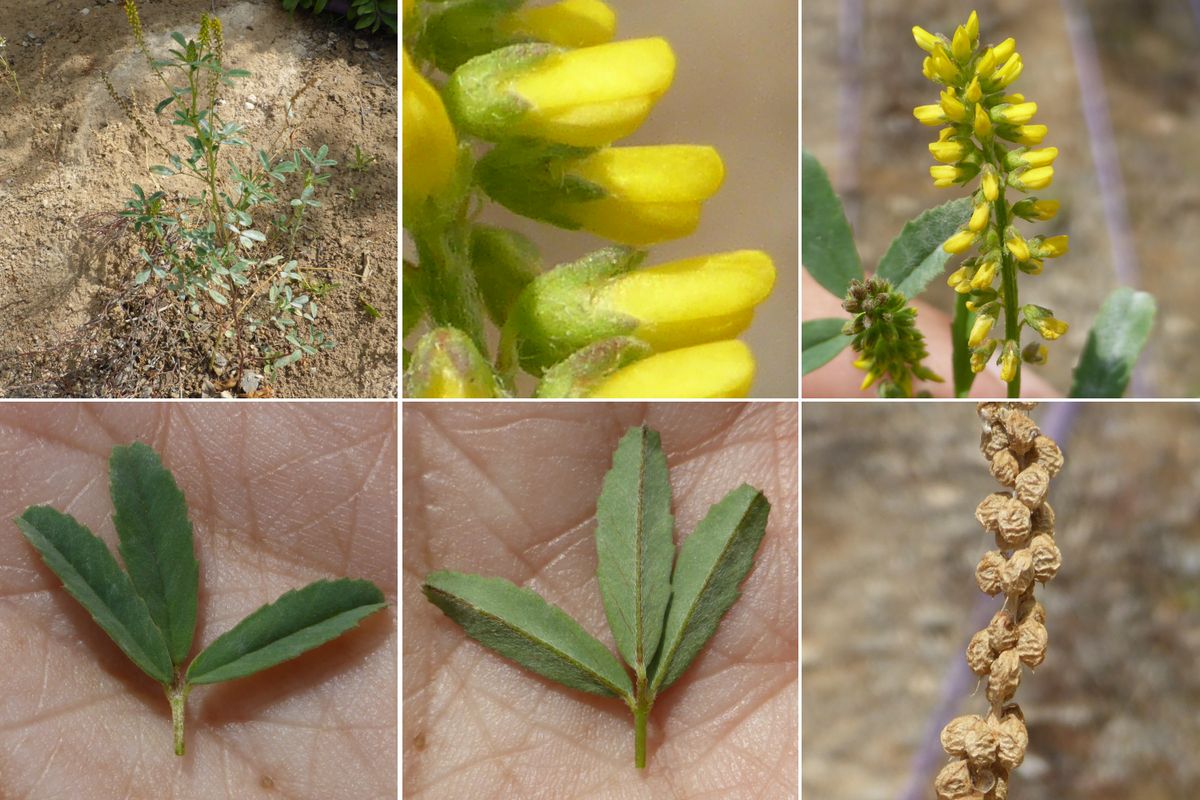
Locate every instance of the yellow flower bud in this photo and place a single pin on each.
(986, 64)
(931, 115)
(1040, 158)
(1029, 135)
(980, 330)
(1017, 114)
(718, 369)
(960, 242)
(445, 364)
(1013, 99)
(981, 354)
(990, 184)
(979, 217)
(430, 146)
(960, 276)
(927, 69)
(943, 66)
(1036, 178)
(925, 40)
(1017, 246)
(973, 28)
(946, 175)
(983, 123)
(953, 107)
(1008, 73)
(960, 45)
(569, 23)
(652, 193)
(985, 275)
(973, 93)
(1053, 247)
(1009, 361)
(1005, 50)
(1050, 328)
(1044, 210)
(947, 152)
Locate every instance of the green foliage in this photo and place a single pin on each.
(960, 329)
(220, 248)
(369, 15)
(885, 334)
(150, 613)
(634, 545)
(827, 244)
(916, 256)
(820, 342)
(1114, 344)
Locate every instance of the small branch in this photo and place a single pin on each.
(177, 694)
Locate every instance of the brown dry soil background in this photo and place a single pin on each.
(735, 89)
(68, 153)
(890, 545)
(1150, 59)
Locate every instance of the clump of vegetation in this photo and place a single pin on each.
(227, 250)
(363, 14)
(7, 74)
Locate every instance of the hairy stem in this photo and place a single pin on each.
(641, 713)
(177, 694)
(1008, 287)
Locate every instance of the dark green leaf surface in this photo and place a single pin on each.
(916, 257)
(519, 624)
(820, 342)
(1113, 345)
(295, 623)
(635, 546)
(712, 563)
(91, 575)
(827, 245)
(156, 542)
(960, 330)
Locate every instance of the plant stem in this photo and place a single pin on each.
(641, 712)
(177, 694)
(1008, 286)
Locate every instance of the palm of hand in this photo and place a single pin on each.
(512, 493)
(279, 496)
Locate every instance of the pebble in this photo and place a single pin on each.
(359, 44)
(249, 382)
(85, 11)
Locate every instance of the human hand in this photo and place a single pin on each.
(510, 491)
(279, 496)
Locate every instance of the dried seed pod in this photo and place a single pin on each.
(954, 781)
(1022, 431)
(992, 414)
(1004, 677)
(1041, 520)
(1000, 790)
(1012, 739)
(1029, 609)
(1017, 575)
(979, 653)
(1032, 484)
(993, 441)
(981, 745)
(955, 733)
(1002, 631)
(1032, 639)
(1046, 453)
(1046, 558)
(987, 573)
(988, 512)
(1012, 523)
(984, 780)
(1005, 467)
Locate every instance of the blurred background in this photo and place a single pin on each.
(890, 545)
(1116, 83)
(735, 89)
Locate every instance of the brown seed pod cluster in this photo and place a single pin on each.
(984, 750)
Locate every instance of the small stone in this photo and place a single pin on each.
(359, 44)
(85, 11)
(249, 382)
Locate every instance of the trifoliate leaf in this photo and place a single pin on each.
(519, 624)
(712, 563)
(635, 547)
(156, 542)
(295, 623)
(91, 575)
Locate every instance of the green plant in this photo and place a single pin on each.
(229, 244)
(986, 135)
(7, 73)
(365, 14)
(362, 161)
(985, 750)
(149, 609)
(662, 609)
(527, 114)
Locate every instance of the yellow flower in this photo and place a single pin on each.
(717, 369)
(942, 66)
(1035, 353)
(1040, 158)
(570, 23)
(1017, 114)
(947, 175)
(948, 152)
(1036, 178)
(1053, 247)
(960, 242)
(1009, 360)
(1005, 50)
(960, 45)
(986, 64)
(973, 28)
(925, 40)
(983, 123)
(980, 330)
(1017, 246)
(953, 107)
(985, 275)
(979, 217)
(931, 115)
(430, 146)
(1043, 210)
(980, 355)
(445, 364)
(960, 276)
(652, 193)
(990, 184)
(588, 97)
(973, 93)
(1029, 135)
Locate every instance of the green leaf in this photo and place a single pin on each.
(295, 623)
(1113, 344)
(519, 624)
(712, 563)
(635, 546)
(820, 342)
(960, 329)
(916, 257)
(156, 542)
(827, 245)
(91, 575)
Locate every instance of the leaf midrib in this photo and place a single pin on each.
(640, 558)
(618, 691)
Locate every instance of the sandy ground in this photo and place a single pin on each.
(889, 547)
(876, 152)
(68, 154)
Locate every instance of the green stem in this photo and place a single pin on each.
(1008, 279)
(641, 713)
(177, 694)
(451, 296)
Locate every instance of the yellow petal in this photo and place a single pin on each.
(717, 369)
(569, 23)
(430, 145)
(662, 174)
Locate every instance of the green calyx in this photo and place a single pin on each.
(581, 372)
(533, 179)
(884, 331)
(455, 32)
(478, 98)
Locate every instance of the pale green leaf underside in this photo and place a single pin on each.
(820, 342)
(712, 563)
(92, 576)
(519, 624)
(915, 257)
(635, 546)
(295, 623)
(1114, 344)
(827, 245)
(152, 523)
